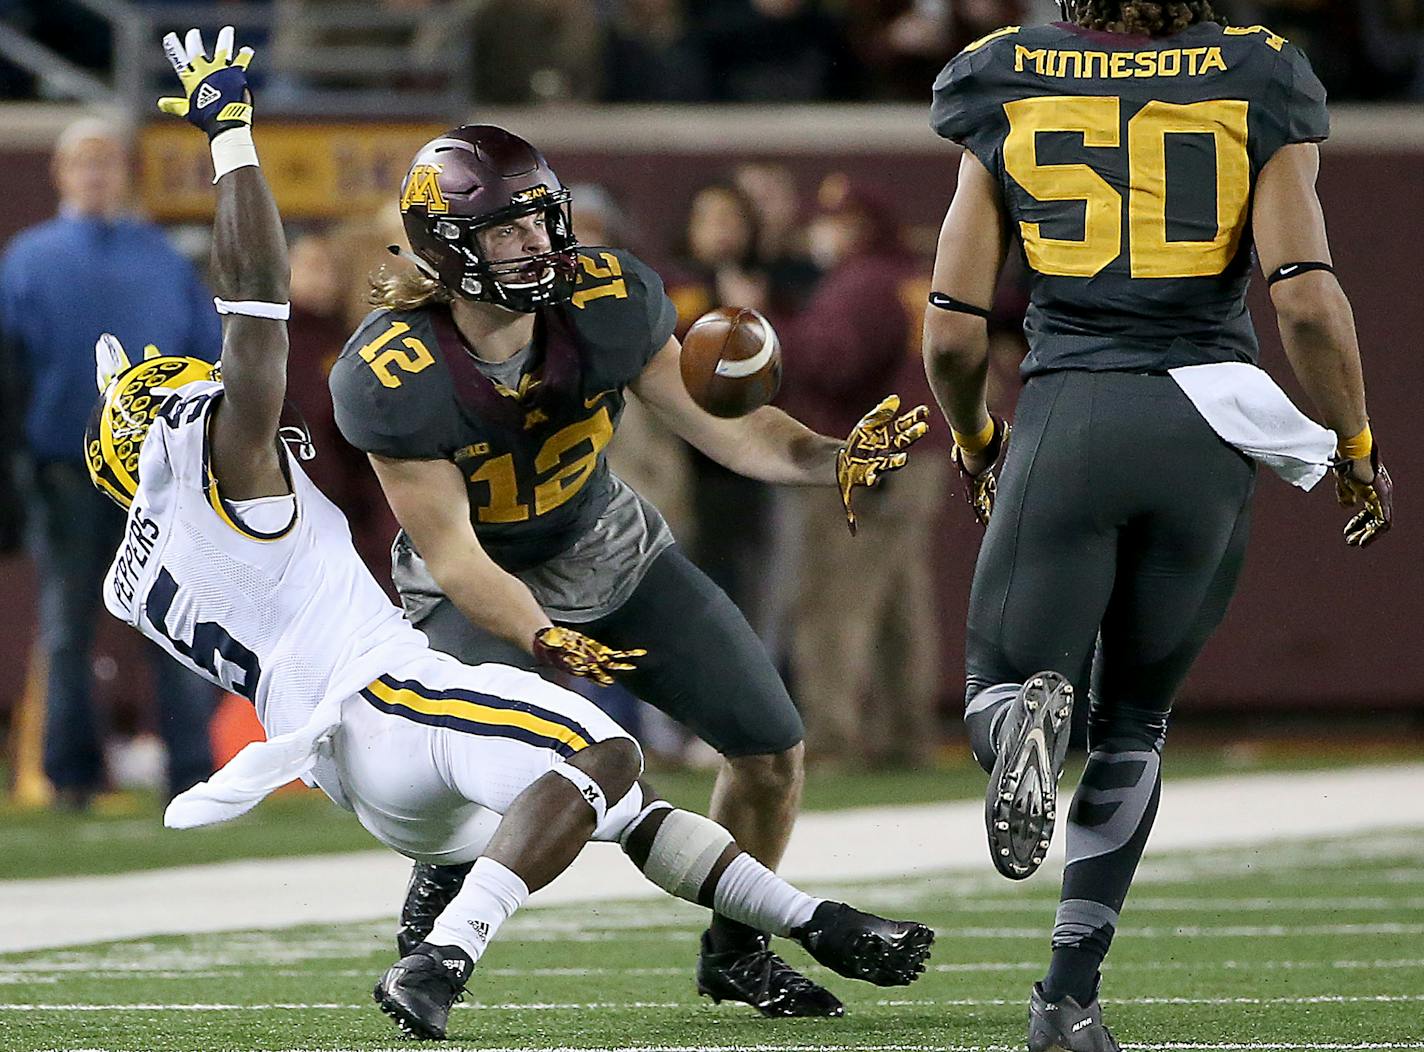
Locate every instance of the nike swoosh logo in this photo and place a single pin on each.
(1040, 746)
(588, 403)
(1288, 270)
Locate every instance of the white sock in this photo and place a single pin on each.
(490, 896)
(752, 894)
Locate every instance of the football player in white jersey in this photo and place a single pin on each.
(236, 565)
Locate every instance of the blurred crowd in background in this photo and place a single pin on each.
(690, 51)
(854, 626)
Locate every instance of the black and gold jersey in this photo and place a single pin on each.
(406, 387)
(1127, 166)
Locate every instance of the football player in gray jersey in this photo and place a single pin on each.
(485, 391)
(1133, 152)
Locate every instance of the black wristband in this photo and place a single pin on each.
(949, 303)
(1294, 270)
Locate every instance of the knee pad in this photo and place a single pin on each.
(684, 850)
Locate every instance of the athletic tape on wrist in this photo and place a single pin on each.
(233, 149)
(975, 443)
(254, 309)
(588, 789)
(1357, 447)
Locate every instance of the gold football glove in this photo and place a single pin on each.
(876, 445)
(577, 654)
(981, 489)
(1375, 499)
(215, 93)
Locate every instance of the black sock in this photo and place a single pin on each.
(1072, 972)
(725, 934)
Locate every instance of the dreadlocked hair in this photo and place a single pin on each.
(405, 290)
(1150, 18)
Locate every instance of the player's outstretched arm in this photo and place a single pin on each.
(956, 338)
(772, 446)
(765, 444)
(249, 265)
(1318, 327)
(431, 503)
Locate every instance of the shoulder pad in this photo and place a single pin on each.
(1267, 38)
(960, 90)
(620, 311)
(391, 391)
(1304, 118)
(1307, 119)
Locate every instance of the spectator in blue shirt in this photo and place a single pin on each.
(93, 268)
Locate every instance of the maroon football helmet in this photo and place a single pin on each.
(474, 177)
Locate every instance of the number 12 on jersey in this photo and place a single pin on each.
(1098, 119)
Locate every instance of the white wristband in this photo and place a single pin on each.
(254, 309)
(233, 149)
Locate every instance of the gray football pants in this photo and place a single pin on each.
(705, 667)
(1121, 523)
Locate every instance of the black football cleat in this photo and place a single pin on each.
(1067, 1026)
(430, 890)
(420, 988)
(1021, 803)
(763, 980)
(863, 946)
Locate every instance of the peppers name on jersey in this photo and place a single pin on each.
(283, 616)
(406, 387)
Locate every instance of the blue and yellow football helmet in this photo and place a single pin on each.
(130, 397)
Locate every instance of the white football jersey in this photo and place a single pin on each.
(283, 615)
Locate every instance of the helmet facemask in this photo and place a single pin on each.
(521, 284)
(473, 178)
(131, 397)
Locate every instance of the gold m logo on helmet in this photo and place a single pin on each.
(422, 187)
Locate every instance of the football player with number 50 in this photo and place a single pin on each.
(1134, 150)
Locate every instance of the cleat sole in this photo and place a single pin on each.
(1021, 804)
(898, 961)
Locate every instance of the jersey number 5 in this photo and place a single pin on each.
(1098, 120)
(211, 648)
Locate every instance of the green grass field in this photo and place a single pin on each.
(1304, 946)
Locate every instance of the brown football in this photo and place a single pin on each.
(731, 361)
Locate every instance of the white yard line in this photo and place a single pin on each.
(862, 844)
(30, 974)
(608, 1006)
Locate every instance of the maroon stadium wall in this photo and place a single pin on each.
(1314, 624)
